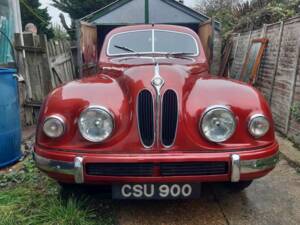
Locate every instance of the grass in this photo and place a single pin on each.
(31, 198)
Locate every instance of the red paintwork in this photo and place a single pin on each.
(116, 88)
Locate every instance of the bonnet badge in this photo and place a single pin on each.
(157, 81)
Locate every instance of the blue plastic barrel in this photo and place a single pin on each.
(10, 125)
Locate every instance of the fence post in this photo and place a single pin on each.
(79, 56)
(276, 61)
(48, 76)
(264, 31)
(294, 79)
(22, 63)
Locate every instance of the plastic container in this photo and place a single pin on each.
(10, 124)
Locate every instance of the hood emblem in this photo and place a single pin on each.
(157, 81)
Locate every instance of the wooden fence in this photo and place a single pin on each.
(279, 74)
(44, 65)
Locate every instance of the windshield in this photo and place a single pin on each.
(152, 41)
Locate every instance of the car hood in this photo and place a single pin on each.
(117, 88)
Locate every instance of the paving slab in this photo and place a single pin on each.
(272, 200)
(289, 150)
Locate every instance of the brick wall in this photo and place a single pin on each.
(279, 73)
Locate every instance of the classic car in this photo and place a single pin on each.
(153, 123)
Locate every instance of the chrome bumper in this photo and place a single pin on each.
(75, 168)
(239, 167)
(69, 168)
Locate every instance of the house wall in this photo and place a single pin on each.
(279, 73)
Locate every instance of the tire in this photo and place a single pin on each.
(239, 186)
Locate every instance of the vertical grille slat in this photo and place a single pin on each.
(145, 117)
(169, 117)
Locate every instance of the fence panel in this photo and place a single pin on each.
(60, 57)
(279, 73)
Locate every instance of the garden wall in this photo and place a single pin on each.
(279, 74)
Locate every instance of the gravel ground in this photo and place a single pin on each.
(272, 200)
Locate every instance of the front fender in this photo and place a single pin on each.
(71, 99)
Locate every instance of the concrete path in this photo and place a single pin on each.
(272, 200)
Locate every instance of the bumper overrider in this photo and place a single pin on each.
(243, 165)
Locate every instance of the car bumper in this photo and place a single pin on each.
(244, 165)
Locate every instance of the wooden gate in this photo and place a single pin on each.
(44, 65)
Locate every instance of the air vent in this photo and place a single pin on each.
(145, 118)
(169, 117)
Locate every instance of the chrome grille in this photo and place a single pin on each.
(163, 169)
(193, 168)
(145, 117)
(169, 117)
(120, 169)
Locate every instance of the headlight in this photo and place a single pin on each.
(96, 124)
(54, 126)
(258, 125)
(218, 124)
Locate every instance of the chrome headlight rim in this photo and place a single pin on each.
(61, 120)
(255, 116)
(98, 108)
(212, 108)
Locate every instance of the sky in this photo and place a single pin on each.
(54, 12)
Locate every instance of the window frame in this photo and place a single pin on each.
(153, 36)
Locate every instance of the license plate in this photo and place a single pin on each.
(156, 191)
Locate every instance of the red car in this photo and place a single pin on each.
(154, 123)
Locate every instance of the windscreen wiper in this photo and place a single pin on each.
(125, 48)
(180, 54)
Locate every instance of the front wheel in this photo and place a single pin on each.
(239, 186)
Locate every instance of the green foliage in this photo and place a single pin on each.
(60, 33)
(247, 15)
(32, 12)
(27, 174)
(220, 10)
(30, 197)
(253, 15)
(295, 110)
(78, 8)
